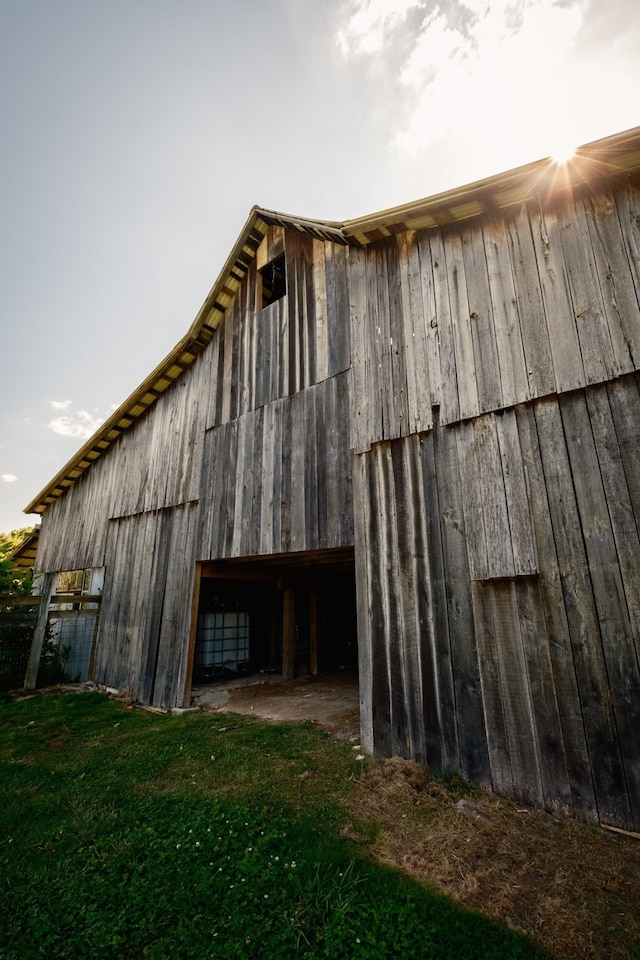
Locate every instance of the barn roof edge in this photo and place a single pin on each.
(601, 159)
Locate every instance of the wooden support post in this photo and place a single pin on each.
(274, 634)
(31, 676)
(313, 633)
(92, 658)
(191, 648)
(288, 633)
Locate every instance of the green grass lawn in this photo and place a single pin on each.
(127, 834)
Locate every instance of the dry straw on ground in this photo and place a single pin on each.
(572, 887)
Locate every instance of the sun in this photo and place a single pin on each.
(563, 152)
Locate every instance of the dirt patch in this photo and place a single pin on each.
(331, 702)
(572, 887)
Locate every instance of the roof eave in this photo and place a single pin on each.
(609, 157)
(167, 371)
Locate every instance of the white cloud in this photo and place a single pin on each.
(8, 477)
(488, 80)
(80, 424)
(483, 85)
(60, 404)
(368, 26)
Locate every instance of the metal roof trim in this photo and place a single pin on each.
(183, 354)
(609, 157)
(99, 441)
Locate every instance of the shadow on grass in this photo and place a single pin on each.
(128, 834)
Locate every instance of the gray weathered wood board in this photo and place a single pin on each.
(262, 355)
(461, 402)
(535, 658)
(479, 318)
(301, 474)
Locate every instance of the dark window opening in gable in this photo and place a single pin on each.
(273, 282)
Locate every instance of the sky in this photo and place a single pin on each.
(137, 134)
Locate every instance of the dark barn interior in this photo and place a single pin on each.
(288, 615)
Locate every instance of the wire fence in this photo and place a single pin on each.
(67, 648)
(17, 624)
(73, 637)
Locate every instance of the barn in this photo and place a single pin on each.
(407, 441)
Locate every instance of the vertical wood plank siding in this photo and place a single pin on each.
(273, 475)
(479, 317)
(291, 344)
(147, 596)
(461, 403)
(525, 674)
(156, 464)
(279, 478)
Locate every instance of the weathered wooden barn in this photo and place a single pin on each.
(420, 427)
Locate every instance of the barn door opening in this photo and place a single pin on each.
(291, 614)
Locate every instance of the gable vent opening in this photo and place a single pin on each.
(273, 282)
